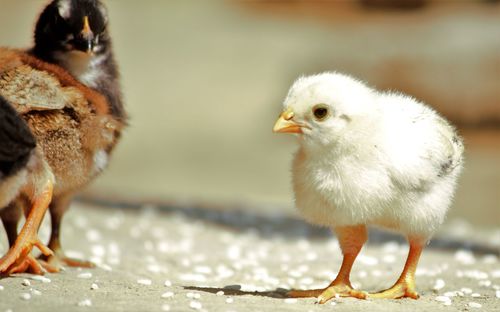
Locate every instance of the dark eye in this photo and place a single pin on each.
(320, 112)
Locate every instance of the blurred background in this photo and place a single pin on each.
(204, 82)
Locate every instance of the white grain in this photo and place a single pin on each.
(85, 275)
(196, 305)
(85, 303)
(439, 284)
(25, 296)
(144, 281)
(40, 278)
(442, 298)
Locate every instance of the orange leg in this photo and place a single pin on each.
(57, 209)
(405, 285)
(18, 257)
(351, 240)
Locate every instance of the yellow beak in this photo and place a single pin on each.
(285, 124)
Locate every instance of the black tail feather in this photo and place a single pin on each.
(16, 140)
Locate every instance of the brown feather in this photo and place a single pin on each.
(70, 121)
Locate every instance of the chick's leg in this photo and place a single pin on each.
(58, 208)
(405, 285)
(18, 258)
(10, 218)
(351, 240)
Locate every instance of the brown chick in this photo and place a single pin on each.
(74, 133)
(74, 34)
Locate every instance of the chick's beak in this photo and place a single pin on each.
(87, 37)
(285, 123)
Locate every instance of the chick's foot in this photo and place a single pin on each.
(19, 259)
(325, 294)
(20, 254)
(34, 266)
(402, 289)
(59, 260)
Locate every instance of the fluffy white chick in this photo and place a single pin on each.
(369, 158)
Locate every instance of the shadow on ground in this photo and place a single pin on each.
(235, 290)
(238, 218)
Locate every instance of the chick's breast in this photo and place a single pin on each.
(400, 176)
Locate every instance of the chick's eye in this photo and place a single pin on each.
(320, 112)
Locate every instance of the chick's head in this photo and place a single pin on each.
(323, 108)
(72, 25)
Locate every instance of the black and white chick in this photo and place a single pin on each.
(74, 35)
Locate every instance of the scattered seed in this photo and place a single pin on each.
(485, 283)
(389, 259)
(442, 298)
(497, 293)
(144, 281)
(474, 305)
(495, 274)
(367, 260)
(94, 286)
(193, 277)
(36, 292)
(196, 305)
(165, 307)
(26, 282)
(105, 267)
(475, 295)
(93, 235)
(220, 293)
(193, 295)
(85, 275)
(439, 284)
(154, 268)
(1, 287)
(25, 296)
(85, 303)
(465, 257)
(40, 278)
(290, 300)
(168, 283)
(203, 269)
(229, 300)
(490, 259)
(168, 294)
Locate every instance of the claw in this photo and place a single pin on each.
(325, 294)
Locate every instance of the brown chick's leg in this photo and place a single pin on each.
(405, 285)
(351, 239)
(10, 218)
(58, 259)
(28, 238)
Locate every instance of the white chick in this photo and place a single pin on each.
(369, 158)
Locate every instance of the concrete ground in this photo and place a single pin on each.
(203, 82)
(167, 258)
